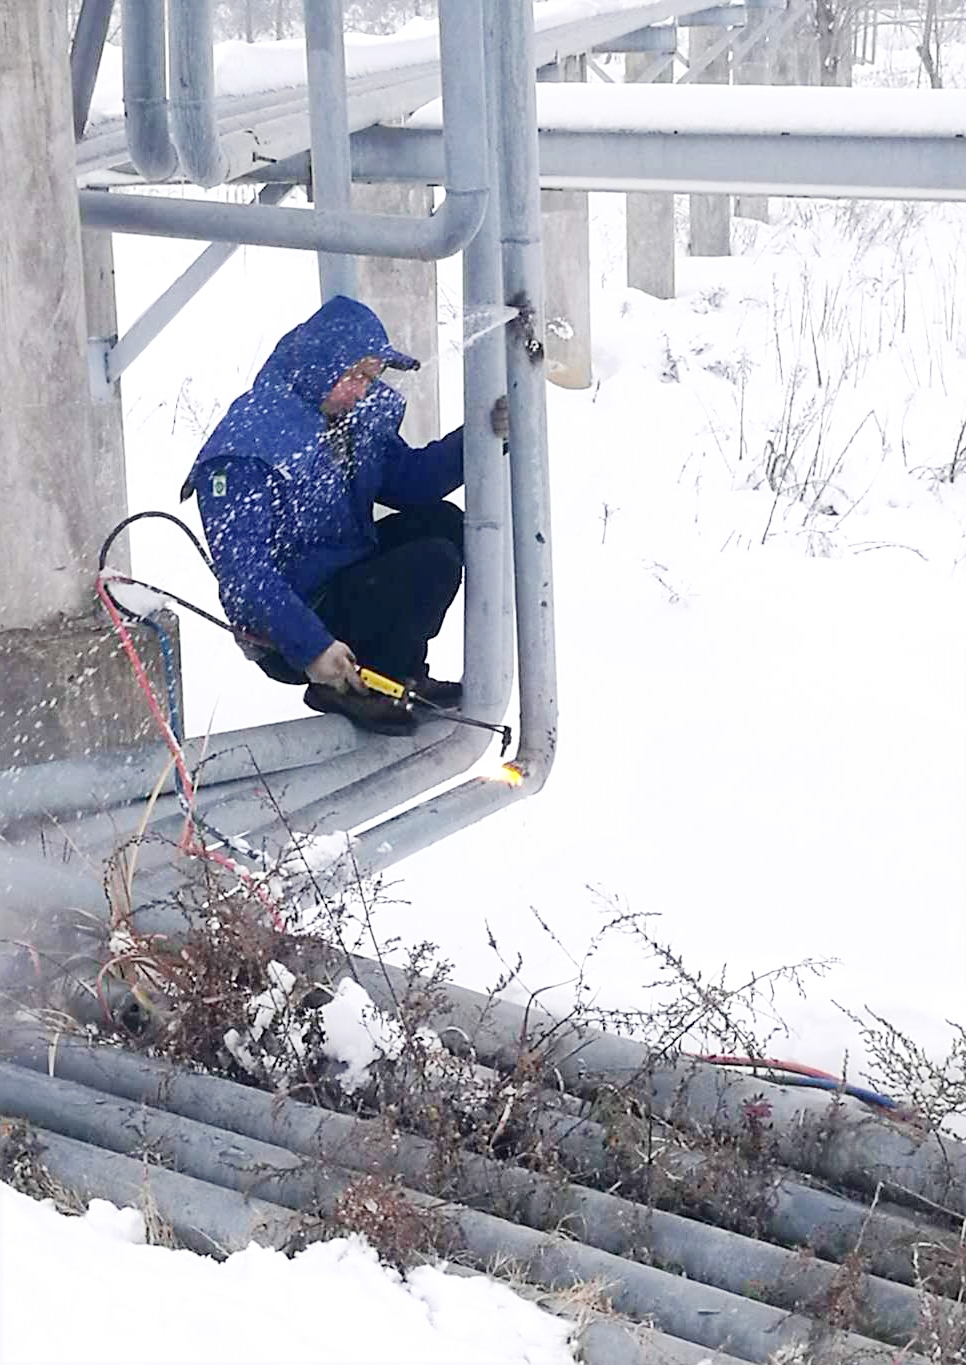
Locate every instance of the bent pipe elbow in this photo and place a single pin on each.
(192, 104)
(449, 230)
(152, 152)
(144, 65)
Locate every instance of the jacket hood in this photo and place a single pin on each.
(310, 359)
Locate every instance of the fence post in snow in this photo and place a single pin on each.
(566, 265)
(403, 294)
(710, 213)
(650, 217)
(64, 689)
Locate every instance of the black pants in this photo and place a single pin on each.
(387, 607)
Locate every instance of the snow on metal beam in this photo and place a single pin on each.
(859, 143)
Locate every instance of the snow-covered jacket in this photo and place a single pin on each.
(286, 496)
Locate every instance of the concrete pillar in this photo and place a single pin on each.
(49, 514)
(650, 217)
(753, 69)
(106, 423)
(403, 293)
(64, 690)
(566, 266)
(710, 213)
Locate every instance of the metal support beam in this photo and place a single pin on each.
(87, 46)
(657, 38)
(117, 357)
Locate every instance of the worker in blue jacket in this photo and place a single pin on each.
(286, 485)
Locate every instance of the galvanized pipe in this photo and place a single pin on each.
(447, 231)
(859, 1149)
(329, 132)
(205, 1218)
(704, 1253)
(169, 304)
(191, 37)
(144, 58)
(64, 787)
(699, 1313)
(87, 47)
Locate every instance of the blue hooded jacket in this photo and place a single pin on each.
(283, 507)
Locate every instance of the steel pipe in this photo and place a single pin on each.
(447, 231)
(191, 37)
(169, 304)
(699, 1313)
(706, 1254)
(329, 132)
(858, 1149)
(205, 1218)
(144, 58)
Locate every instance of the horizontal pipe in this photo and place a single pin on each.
(212, 1220)
(64, 787)
(168, 305)
(880, 165)
(704, 1253)
(205, 1218)
(704, 1315)
(859, 1150)
(445, 232)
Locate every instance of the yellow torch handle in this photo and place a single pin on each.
(387, 686)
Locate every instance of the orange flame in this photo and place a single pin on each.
(510, 773)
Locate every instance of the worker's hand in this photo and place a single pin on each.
(500, 417)
(336, 667)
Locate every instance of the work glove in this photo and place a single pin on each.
(500, 417)
(336, 667)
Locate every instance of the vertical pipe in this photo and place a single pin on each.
(90, 35)
(487, 651)
(523, 284)
(146, 89)
(192, 70)
(329, 131)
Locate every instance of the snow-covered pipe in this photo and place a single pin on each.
(704, 1253)
(212, 1220)
(205, 1218)
(699, 1313)
(144, 60)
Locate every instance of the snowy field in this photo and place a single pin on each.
(760, 560)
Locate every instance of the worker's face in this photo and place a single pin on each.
(352, 385)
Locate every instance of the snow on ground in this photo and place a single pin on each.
(119, 1300)
(760, 576)
(760, 590)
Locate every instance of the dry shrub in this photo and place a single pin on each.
(402, 1232)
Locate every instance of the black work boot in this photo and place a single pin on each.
(448, 695)
(370, 710)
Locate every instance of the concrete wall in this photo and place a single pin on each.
(68, 690)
